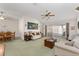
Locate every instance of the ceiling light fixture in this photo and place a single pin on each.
(1, 15)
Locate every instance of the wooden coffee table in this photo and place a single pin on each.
(49, 43)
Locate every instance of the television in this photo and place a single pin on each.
(31, 25)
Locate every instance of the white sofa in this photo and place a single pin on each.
(62, 49)
(35, 35)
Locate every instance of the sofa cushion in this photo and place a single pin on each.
(76, 42)
(70, 43)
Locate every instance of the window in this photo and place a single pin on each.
(58, 29)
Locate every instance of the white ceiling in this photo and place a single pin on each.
(62, 11)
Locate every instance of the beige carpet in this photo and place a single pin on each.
(20, 47)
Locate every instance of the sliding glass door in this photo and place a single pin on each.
(52, 31)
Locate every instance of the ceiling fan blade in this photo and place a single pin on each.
(51, 15)
(48, 13)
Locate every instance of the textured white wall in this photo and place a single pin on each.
(22, 27)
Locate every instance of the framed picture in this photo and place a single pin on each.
(31, 25)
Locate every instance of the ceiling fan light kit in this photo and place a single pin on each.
(2, 18)
(1, 15)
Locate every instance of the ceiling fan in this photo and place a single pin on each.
(47, 14)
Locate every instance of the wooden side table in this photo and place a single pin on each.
(49, 43)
